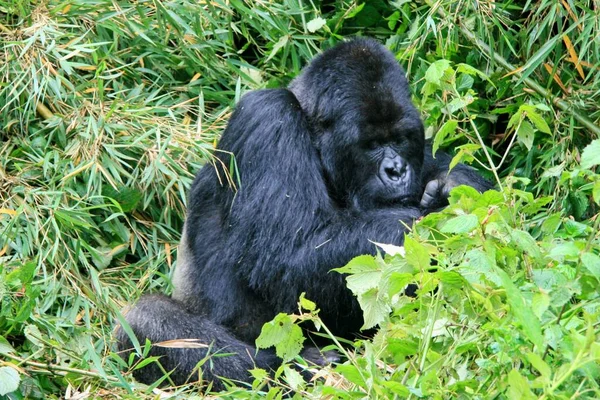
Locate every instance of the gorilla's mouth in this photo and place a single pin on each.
(407, 199)
(404, 193)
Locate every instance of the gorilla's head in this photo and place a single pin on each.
(369, 134)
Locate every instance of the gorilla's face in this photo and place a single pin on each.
(388, 161)
(374, 163)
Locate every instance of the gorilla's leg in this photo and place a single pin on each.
(160, 319)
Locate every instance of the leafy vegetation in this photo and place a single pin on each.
(108, 108)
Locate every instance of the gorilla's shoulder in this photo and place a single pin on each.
(259, 101)
(262, 121)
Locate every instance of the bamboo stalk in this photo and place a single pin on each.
(40, 107)
(563, 105)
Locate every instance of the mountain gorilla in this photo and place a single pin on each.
(326, 166)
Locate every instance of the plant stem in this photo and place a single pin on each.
(47, 368)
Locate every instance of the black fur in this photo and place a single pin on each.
(329, 164)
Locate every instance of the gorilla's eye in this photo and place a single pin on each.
(373, 144)
(325, 123)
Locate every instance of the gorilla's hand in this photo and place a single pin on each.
(321, 358)
(438, 179)
(436, 193)
(437, 189)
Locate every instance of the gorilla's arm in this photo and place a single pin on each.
(438, 182)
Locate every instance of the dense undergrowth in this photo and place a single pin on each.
(108, 108)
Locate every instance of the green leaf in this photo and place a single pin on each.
(539, 56)
(351, 373)
(365, 263)
(447, 129)
(369, 16)
(596, 192)
(293, 378)
(554, 172)
(525, 242)
(515, 118)
(393, 20)
(397, 388)
(362, 282)
(536, 119)
(551, 224)
(468, 69)
(591, 155)
(538, 363)
(464, 153)
(562, 251)
(145, 361)
(33, 334)
(23, 275)
(364, 273)
(592, 263)
(259, 374)
(397, 281)
(464, 191)
(416, 254)
(540, 303)
(5, 347)
(529, 323)
(127, 197)
(518, 387)
(391, 249)
(561, 296)
(436, 71)
(282, 333)
(460, 103)
(548, 279)
(477, 266)
(315, 24)
(464, 82)
(526, 134)
(574, 228)
(9, 380)
(72, 219)
(451, 278)
(374, 309)
(279, 45)
(460, 224)
(291, 345)
(355, 11)
(306, 303)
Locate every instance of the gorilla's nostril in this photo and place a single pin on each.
(394, 173)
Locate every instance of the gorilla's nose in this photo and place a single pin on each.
(392, 169)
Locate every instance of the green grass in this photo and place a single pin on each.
(109, 108)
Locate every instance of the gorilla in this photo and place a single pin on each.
(333, 162)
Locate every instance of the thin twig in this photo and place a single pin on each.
(58, 369)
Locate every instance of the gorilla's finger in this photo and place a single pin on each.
(431, 193)
(321, 358)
